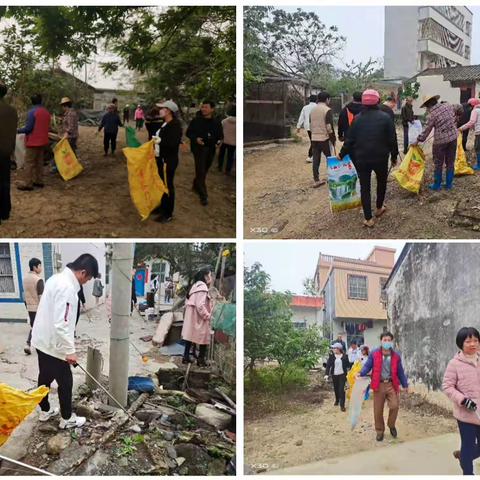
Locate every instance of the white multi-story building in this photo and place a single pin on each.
(417, 38)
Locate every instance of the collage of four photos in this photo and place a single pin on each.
(346, 222)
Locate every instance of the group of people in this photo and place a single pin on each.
(368, 131)
(53, 308)
(382, 365)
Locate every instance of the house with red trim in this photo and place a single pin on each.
(354, 297)
(307, 311)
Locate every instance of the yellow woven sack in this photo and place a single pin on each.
(410, 172)
(461, 165)
(66, 160)
(15, 405)
(357, 366)
(146, 186)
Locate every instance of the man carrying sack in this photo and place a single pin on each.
(386, 367)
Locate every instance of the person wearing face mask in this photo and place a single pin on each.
(337, 366)
(462, 386)
(53, 336)
(385, 366)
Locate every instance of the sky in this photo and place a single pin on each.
(364, 29)
(290, 262)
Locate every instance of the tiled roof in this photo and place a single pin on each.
(302, 301)
(453, 74)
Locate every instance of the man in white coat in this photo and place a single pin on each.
(304, 121)
(53, 336)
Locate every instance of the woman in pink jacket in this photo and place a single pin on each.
(198, 309)
(139, 118)
(461, 384)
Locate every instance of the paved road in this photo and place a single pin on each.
(428, 456)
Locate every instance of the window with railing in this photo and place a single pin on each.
(468, 29)
(7, 284)
(357, 287)
(159, 269)
(431, 30)
(467, 52)
(453, 14)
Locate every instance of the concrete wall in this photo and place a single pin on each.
(312, 315)
(401, 49)
(435, 85)
(71, 251)
(434, 293)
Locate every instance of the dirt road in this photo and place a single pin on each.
(278, 195)
(320, 432)
(97, 203)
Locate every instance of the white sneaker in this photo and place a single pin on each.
(72, 422)
(46, 416)
(309, 159)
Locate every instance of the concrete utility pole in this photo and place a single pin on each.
(119, 333)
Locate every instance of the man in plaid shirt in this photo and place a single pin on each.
(441, 117)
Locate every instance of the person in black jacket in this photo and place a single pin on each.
(371, 140)
(338, 366)
(110, 121)
(205, 133)
(167, 140)
(347, 115)
(462, 120)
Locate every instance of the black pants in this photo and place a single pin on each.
(339, 388)
(110, 139)
(464, 140)
(188, 347)
(230, 149)
(470, 450)
(317, 149)
(5, 175)
(310, 149)
(50, 369)
(203, 155)
(405, 139)
(126, 118)
(168, 201)
(364, 170)
(32, 316)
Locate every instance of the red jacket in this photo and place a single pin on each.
(37, 127)
(374, 364)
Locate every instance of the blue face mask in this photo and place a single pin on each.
(387, 345)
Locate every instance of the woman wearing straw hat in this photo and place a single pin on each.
(370, 141)
(441, 117)
(70, 123)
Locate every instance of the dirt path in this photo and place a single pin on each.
(278, 195)
(321, 432)
(97, 203)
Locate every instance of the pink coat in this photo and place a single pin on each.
(462, 380)
(139, 114)
(198, 309)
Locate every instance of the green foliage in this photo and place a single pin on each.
(409, 90)
(185, 53)
(269, 379)
(269, 333)
(310, 286)
(186, 258)
(138, 438)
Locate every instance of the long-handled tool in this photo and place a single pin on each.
(144, 358)
(107, 392)
(21, 464)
